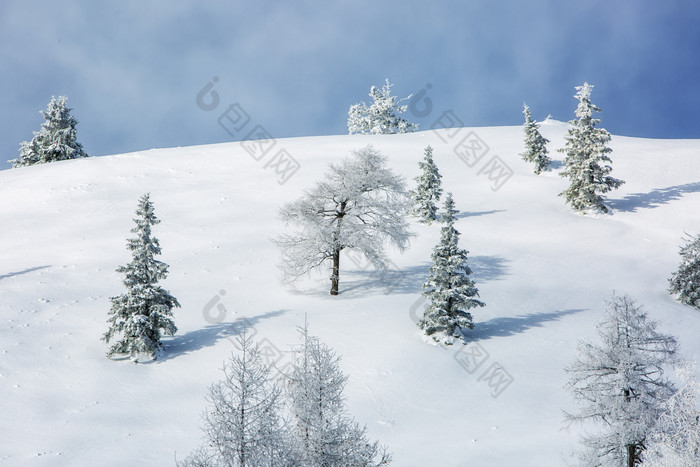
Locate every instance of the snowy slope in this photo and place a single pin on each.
(542, 270)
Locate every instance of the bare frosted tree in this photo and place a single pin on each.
(243, 426)
(359, 205)
(620, 384)
(677, 442)
(325, 435)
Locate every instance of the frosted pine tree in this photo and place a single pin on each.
(677, 442)
(686, 280)
(243, 423)
(535, 143)
(57, 139)
(325, 434)
(449, 290)
(140, 314)
(620, 384)
(585, 150)
(359, 205)
(381, 117)
(428, 190)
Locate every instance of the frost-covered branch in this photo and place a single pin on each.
(382, 116)
(360, 205)
(620, 382)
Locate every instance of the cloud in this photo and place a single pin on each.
(132, 69)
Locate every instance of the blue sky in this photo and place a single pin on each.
(132, 69)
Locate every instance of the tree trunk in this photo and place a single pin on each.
(335, 275)
(634, 454)
(631, 448)
(634, 450)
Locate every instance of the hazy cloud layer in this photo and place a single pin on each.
(132, 69)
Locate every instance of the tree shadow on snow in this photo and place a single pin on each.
(360, 283)
(487, 268)
(462, 215)
(24, 271)
(556, 165)
(195, 340)
(653, 199)
(510, 325)
(410, 280)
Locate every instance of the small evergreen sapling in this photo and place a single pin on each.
(535, 144)
(620, 384)
(449, 290)
(586, 148)
(427, 191)
(382, 117)
(686, 280)
(145, 309)
(57, 139)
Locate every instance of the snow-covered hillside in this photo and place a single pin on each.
(542, 270)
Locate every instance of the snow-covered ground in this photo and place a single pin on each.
(543, 271)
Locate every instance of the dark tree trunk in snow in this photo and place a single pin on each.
(633, 453)
(634, 450)
(335, 275)
(359, 206)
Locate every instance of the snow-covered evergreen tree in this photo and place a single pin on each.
(359, 204)
(57, 139)
(677, 441)
(325, 435)
(535, 143)
(427, 191)
(243, 423)
(381, 117)
(620, 383)
(145, 309)
(686, 280)
(586, 148)
(449, 290)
